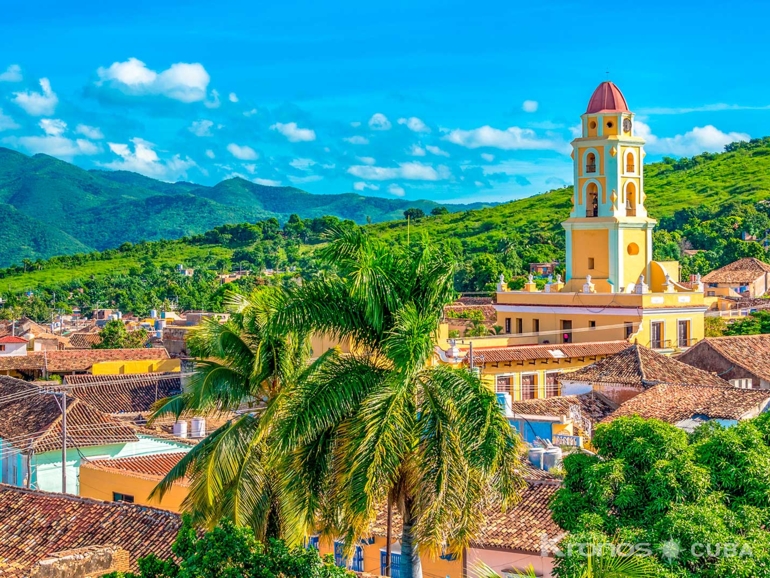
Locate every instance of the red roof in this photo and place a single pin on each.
(607, 98)
(12, 339)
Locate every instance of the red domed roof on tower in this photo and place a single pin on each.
(607, 98)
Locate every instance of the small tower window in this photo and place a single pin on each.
(609, 124)
(592, 200)
(590, 163)
(592, 124)
(630, 163)
(591, 263)
(631, 200)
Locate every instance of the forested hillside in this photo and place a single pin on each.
(56, 208)
(706, 206)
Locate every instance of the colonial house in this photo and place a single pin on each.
(31, 437)
(625, 375)
(747, 277)
(44, 364)
(567, 420)
(687, 406)
(46, 534)
(529, 371)
(12, 345)
(132, 479)
(84, 340)
(743, 360)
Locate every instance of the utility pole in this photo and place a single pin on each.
(64, 441)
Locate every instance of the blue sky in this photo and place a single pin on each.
(445, 100)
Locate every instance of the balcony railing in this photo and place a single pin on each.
(592, 212)
(689, 342)
(660, 344)
(629, 168)
(591, 168)
(565, 440)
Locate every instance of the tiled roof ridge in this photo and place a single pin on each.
(726, 352)
(85, 500)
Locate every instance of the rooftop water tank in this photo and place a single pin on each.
(154, 313)
(552, 458)
(535, 457)
(180, 429)
(198, 427)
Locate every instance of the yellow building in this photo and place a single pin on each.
(613, 289)
(132, 479)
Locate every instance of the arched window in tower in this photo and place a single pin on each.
(630, 162)
(590, 163)
(592, 200)
(631, 200)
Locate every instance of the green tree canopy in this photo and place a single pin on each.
(114, 335)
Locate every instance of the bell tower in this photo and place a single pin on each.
(608, 233)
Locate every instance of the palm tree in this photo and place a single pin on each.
(243, 364)
(332, 440)
(382, 422)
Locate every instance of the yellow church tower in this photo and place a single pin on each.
(608, 233)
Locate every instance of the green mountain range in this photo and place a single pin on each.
(52, 207)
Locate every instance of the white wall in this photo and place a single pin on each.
(505, 561)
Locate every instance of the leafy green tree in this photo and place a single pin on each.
(755, 323)
(414, 213)
(114, 335)
(651, 484)
(229, 551)
(436, 211)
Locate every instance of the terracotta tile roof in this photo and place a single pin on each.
(71, 360)
(33, 422)
(751, 352)
(548, 351)
(674, 403)
(84, 340)
(519, 528)
(129, 393)
(592, 405)
(154, 467)
(641, 367)
(12, 339)
(35, 524)
(741, 271)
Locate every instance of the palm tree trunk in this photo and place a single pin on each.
(410, 567)
(388, 536)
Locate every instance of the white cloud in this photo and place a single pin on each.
(201, 127)
(415, 124)
(434, 150)
(513, 138)
(243, 153)
(355, 123)
(54, 143)
(529, 106)
(357, 140)
(53, 126)
(368, 160)
(210, 154)
(379, 122)
(361, 186)
(92, 132)
(699, 139)
(250, 168)
(306, 179)
(396, 190)
(251, 112)
(11, 74)
(38, 103)
(417, 151)
(293, 133)
(6, 122)
(57, 146)
(213, 100)
(144, 160)
(487, 157)
(186, 82)
(410, 170)
(268, 182)
(302, 164)
(232, 97)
